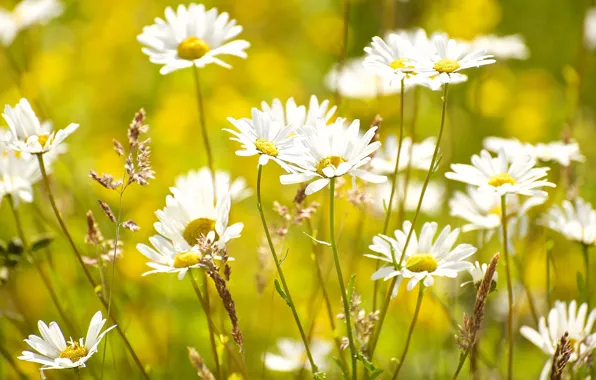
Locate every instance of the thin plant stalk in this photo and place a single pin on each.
(410, 331)
(418, 207)
(340, 278)
(6, 355)
(204, 133)
(79, 258)
(462, 359)
(509, 289)
(280, 272)
(585, 249)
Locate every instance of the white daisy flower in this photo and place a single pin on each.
(501, 177)
(237, 189)
(26, 14)
(433, 198)
(270, 138)
(577, 222)
(562, 319)
(27, 134)
(389, 58)
(590, 29)
(384, 160)
(425, 258)
(558, 151)
(447, 59)
(505, 47)
(55, 353)
(357, 82)
(292, 355)
(190, 37)
(299, 116)
(478, 272)
(333, 151)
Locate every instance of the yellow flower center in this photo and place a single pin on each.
(74, 352)
(192, 48)
(501, 179)
(186, 259)
(329, 161)
(266, 147)
(198, 228)
(43, 139)
(446, 65)
(399, 63)
(421, 262)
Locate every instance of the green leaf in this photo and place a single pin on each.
(344, 370)
(281, 292)
(373, 372)
(41, 241)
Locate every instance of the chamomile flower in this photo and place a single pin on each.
(446, 59)
(26, 14)
(433, 197)
(55, 353)
(425, 258)
(505, 47)
(501, 177)
(478, 272)
(576, 221)
(384, 159)
(267, 137)
(27, 134)
(559, 151)
(389, 58)
(357, 82)
(191, 36)
(168, 257)
(333, 151)
(299, 116)
(237, 189)
(563, 319)
(292, 355)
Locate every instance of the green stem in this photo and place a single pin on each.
(418, 207)
(204, 133)
(340, 278)
(462, 360)
(585, 249)
(410, 332)
(79, 258)
(4, 352)
(548, 291)
(281, 274)
(509, 288)
(403, 199)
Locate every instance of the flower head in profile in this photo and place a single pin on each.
(559, 151)
(505, 47)
(292, 355)
(191, 36)
(55, 353)
(27, 134)
(357, 82)
(576, 221)
(299, 116)
(477, 273)
(446, 59)
(237, 188)
(563, 319)
(500, 176)
(26, 14)
(425, 257)
(421, 155)
(269, 138)
(333, 151)
(388, 58)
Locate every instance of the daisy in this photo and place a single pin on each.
(561, 320)
(27, 134)
(190, 37)
(447, 58)
(577, 222)
(388, 58)
(506, 47)
(55, 353)
(333, 151)
(237, 189)
(383, 162)
(433, 199)
(357, 82)
(270, 138)
(478, 272)
(292, 355)
(501, 177)
(299, 116)
(27, 13)
(558, 151)
(424, 259)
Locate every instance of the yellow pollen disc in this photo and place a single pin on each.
(446, 65)
(496, 211)
(74, 352)
(43, 139)
(192, 48)
(329, 161)
(501, 179)
(399, 63)
(421, 262)
(198, 228)
(186, 259)
(266, 147)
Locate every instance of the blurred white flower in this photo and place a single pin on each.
(590, 29)
(54, 353)
(505, 47)
(356, 81)
(576, 222)
(292, 355)
(383, 162)
(389, 58)
(237, 189)
(191, 36)
(561, 320)
(478, 272)
(433, 197)
(27, 13)
(558, 151)
(299, 116)
(333, 151)
(501, 177)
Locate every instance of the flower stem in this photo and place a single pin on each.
(79, 258)
(7, 356)
(418, 207)
(509, 288)
(204, 133)
(585, 249)
(410, 332)
(340, 278)
(460, 365)
(282, 278)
